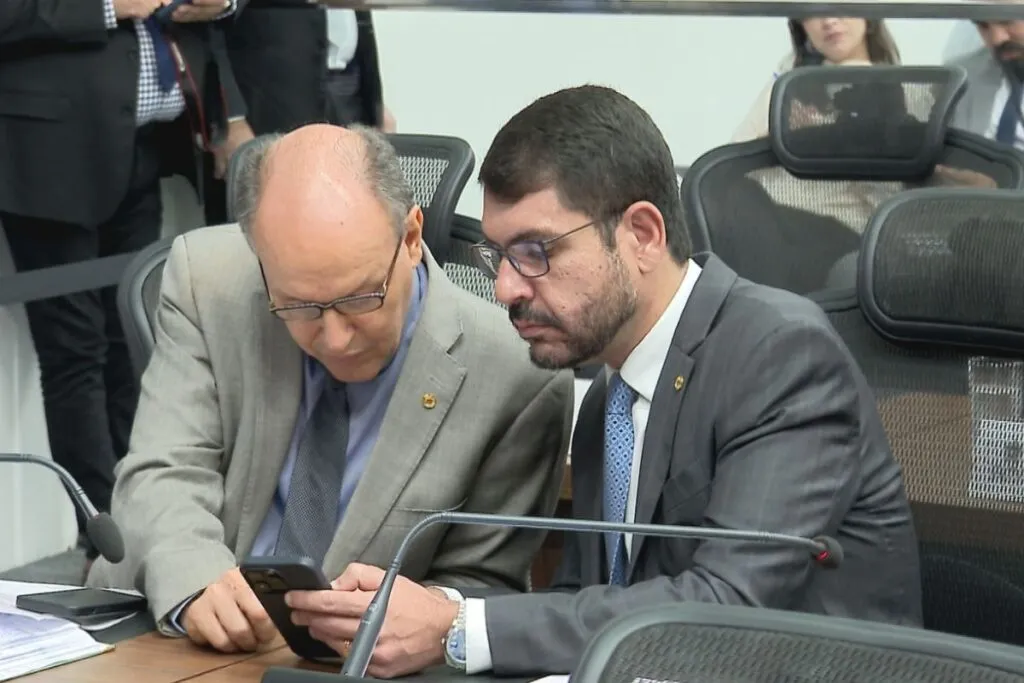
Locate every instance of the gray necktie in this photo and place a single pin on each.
(311, 511)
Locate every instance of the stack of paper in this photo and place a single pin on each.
(31, 642)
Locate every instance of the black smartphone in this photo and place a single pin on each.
(81, 602)
(270, 578)
(163, 15)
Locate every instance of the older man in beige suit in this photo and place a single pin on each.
(319, 393)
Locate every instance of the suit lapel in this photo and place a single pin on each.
(699, 314)
(429, 380)
(278, 375)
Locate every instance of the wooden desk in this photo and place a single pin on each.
(152, 658)
(149, 658)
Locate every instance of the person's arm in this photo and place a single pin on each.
(170, 489)
(521, 475)
(791, 439)
(55, 20)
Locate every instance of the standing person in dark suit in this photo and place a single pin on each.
(725, 404)
(297, 62)
(95, 95)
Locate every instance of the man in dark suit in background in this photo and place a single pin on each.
(298, 63)
(98, 100)
(726, 404)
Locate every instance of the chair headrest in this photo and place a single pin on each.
(944, 266)
(863, 122)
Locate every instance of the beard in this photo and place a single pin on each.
(1010, 56)
(593, 327)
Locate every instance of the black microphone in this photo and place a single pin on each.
(99, 526)
(824, 550)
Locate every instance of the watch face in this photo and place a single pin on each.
(456, 646)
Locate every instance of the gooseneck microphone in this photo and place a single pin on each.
(824, 551)
(99, 526)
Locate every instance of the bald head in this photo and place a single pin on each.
(332, 221)
(320, 164)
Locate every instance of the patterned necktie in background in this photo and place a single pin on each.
(311, 512)
(166, 68)
(618, 462)
(1006, 133)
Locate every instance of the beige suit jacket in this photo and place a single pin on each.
(217, 410)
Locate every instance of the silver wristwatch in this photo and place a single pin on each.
(454, 643)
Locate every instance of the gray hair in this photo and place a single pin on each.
(382, 170)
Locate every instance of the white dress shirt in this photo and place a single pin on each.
(641, 372)
(997, 113)
(342, 38)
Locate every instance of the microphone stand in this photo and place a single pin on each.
(99, 526)
(825, 551)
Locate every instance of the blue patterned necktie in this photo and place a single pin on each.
(618, 462)
(1006, 133)
(166, 69)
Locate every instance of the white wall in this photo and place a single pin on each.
(464, 74)
(467, 73)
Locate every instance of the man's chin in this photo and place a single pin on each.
(549, 356)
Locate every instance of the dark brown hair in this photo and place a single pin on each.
(881, 45)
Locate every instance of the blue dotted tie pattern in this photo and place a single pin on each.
(618, 462)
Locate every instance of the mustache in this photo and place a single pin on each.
(520, 312)
(1010, 54)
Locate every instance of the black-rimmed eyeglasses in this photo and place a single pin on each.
(528, 257)
(354, 304)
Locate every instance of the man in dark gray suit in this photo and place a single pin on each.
(726, 404)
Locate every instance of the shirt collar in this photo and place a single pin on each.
(643, 365)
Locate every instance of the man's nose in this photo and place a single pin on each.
(337, 331)
(510, 286)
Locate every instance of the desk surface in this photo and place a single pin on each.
(153, 658)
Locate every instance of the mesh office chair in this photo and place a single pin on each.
(938, 328)
(138, 297)
(437, 168)
(786, 209)
(706, 643)
(461, 267)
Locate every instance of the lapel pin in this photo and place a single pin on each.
(679, 383)
(429, 401)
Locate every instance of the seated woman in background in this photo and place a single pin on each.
(844, 41)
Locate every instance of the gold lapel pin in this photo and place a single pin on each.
(429, 401)
(679, 383)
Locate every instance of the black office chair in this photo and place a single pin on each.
(788, 210)
(709, 643)
(937, 325)
(437, 167)
(138, 297)
(461, 267)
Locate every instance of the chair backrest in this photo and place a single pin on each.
(461, 267)
(784, 210)
(714, 643)
(937, 325)
(138, 298)
(437, 168)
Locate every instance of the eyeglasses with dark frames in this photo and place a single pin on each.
(354, 304)
(528, 257)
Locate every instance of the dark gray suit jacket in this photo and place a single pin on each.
(774, 429)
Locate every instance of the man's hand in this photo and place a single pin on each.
(200, 10)
(417, 619)
(137, 9)
(239, 133)
(228, 617)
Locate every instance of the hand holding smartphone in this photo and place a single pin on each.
(270, 578)
(163, 15)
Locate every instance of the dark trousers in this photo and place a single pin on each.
(89, 389)
(343, 97)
